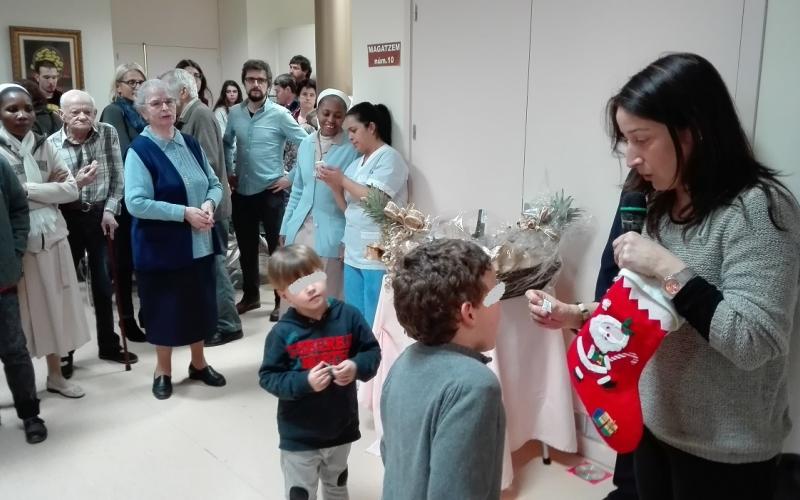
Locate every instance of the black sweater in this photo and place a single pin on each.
(309, 420)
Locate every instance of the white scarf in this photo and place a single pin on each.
(43, 216)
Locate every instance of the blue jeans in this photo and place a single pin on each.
(362, 287)
(228, 320)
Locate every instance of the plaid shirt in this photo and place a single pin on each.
(101, 145)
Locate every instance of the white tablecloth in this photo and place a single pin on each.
(530, 363)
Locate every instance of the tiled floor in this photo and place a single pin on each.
(119, 442)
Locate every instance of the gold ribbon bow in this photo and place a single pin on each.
(539, 220)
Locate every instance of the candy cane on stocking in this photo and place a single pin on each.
(607, 357)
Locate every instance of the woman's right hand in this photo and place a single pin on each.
(198, 219)
(560, 314)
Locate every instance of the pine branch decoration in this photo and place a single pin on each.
(373, 205)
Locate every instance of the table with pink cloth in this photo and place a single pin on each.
(530, 363)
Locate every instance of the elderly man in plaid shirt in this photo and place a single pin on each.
(91, 151)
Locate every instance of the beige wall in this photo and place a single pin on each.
(376, 21)
(777, 131)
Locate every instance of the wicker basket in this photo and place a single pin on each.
(519, 281)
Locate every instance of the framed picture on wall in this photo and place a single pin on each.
(50, 51)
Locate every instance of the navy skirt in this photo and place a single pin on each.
(179, 307)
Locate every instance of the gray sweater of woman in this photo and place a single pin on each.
(725, 398)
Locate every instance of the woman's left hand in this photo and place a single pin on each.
(644, 256)
(208, 208)
(330, 176)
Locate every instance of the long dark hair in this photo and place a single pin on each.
(203, 90)
(686, 93)
(366, 113)
(223, 99)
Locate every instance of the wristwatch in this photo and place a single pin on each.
(584, 311)
(673, 283)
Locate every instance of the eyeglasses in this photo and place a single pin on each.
(160, 103)
(255, 81)
(133, 83)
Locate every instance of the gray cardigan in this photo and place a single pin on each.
(199, 122)
(14, 225)
(443, 426)
(725, 399)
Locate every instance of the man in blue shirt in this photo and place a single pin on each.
(257, 132)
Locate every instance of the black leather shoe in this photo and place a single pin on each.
(220, 338)
(162, 387)
(275, 315)
(119, 356)
(208, 375)
(248, 304)
(35, 431)
(67, 366)
(132, 331)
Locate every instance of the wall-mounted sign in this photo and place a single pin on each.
(384, 54)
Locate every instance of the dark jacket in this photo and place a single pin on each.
(309, 420)
(14, 225)
(114, 116)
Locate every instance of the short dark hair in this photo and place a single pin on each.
(686, 93)
(366, 113)
(286, 80)
(257, 65)
(304, 63)
(308, 83)
(43, 64)
(431, 284)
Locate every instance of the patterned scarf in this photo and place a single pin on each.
(43, 216)
(132, 116)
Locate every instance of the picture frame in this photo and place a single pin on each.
(64, 45)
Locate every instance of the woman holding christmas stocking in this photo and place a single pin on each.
(722, 240)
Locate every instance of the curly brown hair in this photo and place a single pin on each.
(432, 283)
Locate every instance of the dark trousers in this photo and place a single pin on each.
(124, 255)
(624, 479)
(16, 358)
(86, 236)
(666, 473)
(264, 208)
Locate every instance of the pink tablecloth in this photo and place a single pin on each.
(529, 362)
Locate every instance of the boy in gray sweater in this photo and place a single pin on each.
(442, 412)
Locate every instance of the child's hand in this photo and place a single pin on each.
(319, 377)
(344, 373)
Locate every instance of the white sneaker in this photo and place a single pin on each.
(65, 388)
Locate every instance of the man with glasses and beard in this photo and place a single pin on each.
(257, 131)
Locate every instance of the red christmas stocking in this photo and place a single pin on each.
(607, 357)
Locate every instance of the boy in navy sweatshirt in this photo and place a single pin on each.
(312, 357)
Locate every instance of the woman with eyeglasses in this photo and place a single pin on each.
(129, 123)
(171, 191)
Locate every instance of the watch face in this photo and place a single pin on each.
(672, 286)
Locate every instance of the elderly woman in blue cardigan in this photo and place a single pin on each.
(313, 217)
(171, 191)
